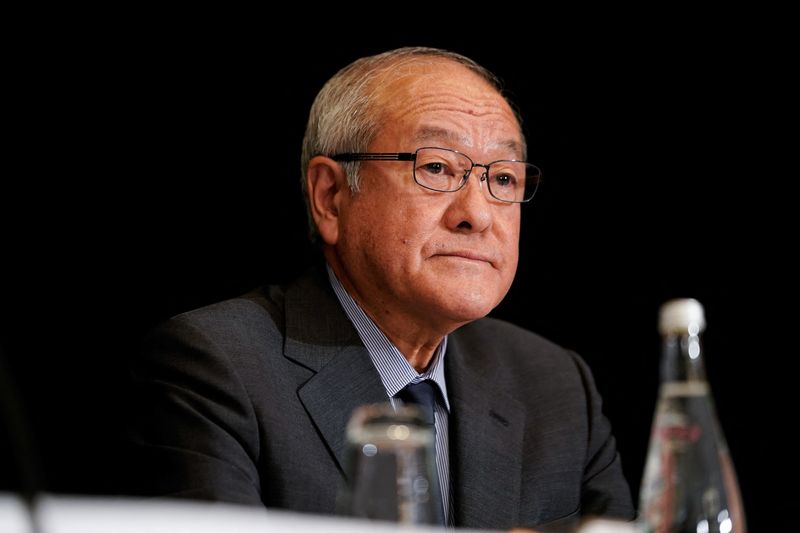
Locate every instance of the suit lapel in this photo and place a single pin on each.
(486, 445)
(330, 397)
(486, 425)
(320, 337)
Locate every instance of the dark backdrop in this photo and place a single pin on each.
(159, 172)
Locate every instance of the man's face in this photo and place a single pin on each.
(438, 259)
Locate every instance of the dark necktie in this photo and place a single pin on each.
(423, 394)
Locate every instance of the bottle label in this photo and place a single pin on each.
(675, 430)
(680, 434)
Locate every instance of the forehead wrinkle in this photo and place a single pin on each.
(489, 108)
(480, 113)
(436, 133)
(471, 105)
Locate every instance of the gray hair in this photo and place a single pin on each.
(345, 116)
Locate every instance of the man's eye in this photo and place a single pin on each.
(433, 168)
(505, 180)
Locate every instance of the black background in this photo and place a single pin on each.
(158, 169)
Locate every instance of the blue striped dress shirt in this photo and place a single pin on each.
(396, 372)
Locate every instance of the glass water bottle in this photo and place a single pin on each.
(689, 484)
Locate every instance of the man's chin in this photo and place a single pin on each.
(464, 314)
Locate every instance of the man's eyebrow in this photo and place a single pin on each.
(433, 133)
(428, 133)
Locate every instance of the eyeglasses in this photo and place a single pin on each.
(445, 170)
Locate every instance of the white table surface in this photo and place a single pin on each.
(77, 514)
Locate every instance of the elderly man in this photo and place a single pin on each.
(414, 171)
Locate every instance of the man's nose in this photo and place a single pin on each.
(471, 207)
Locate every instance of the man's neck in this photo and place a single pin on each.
(417, 343)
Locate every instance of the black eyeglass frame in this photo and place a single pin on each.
(412, 156)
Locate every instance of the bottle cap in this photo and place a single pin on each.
(681, 315)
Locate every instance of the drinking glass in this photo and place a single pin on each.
(390, 465)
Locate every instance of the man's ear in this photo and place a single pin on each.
(327, 185)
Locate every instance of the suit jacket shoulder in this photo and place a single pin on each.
(246, 400)
(534, 404)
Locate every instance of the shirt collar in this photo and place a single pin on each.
(394, 370)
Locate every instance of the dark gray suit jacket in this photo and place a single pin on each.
(247, 401)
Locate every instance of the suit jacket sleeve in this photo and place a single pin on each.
(604, 490)
(194, 429)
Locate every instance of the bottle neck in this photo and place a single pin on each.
(682, 358)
